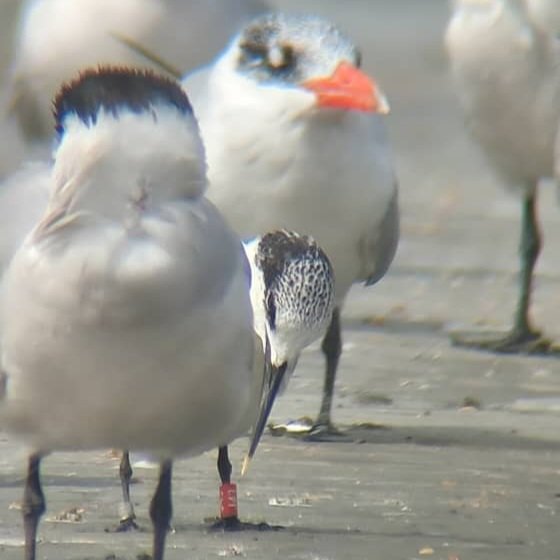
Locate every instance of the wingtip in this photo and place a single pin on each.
(245, 466)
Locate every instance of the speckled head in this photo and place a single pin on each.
(279, 248)
(309, 55)
(291, 48)
(114, 89)
(298, 280)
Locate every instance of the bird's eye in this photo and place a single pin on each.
(280, 57)
(254, 52)
(277, 58)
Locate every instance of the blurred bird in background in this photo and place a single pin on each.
(505, 61)
(57, 38)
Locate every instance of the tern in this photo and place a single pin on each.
(505, 69)
(134, 292)
(296, 140)
(293, 299)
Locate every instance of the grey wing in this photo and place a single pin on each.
(380, 249)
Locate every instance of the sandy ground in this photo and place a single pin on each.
(426, 476)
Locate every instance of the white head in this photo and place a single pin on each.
(301, 62)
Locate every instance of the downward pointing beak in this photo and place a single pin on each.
(272, 383)
(348, 88)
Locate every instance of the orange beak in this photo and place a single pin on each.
(348, 88)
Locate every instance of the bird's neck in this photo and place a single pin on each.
(125, 162)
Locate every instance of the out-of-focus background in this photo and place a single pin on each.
(468, 465)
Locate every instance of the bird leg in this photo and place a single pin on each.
(127, 521)
(161, 510)
(33, 505)
(529, 249)
(522, 338)
(323, 428)
(228, 491)
(228, 521)
(224, 465)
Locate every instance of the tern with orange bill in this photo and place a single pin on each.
(295, 138)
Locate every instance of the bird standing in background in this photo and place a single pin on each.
(295, 141)
(60, 37)
(134, 292)
(508, 82)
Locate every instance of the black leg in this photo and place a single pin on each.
(529, 249)
(33, 505)
(161, 510)
(522, 338)
(332, 348)
(224, 465)
(228, 520)
(128, 517)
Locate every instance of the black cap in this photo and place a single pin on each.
(113, 89)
